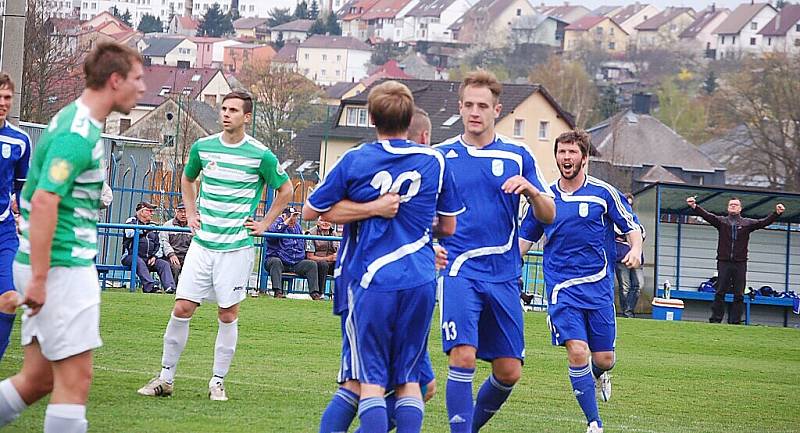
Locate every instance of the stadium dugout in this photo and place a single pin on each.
(681, 248)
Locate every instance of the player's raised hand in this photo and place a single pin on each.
(387, 205)
(779, 208)
(519, 185)
(440, 257)
(35, 295)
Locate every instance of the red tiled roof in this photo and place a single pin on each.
(585, 23)
(385, 9)
(158, 76)
(188, 23)
(356, 9)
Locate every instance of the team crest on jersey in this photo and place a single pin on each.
(211, 166)
(59, 170)
(6, 150)
(583, 210)
(497, 167)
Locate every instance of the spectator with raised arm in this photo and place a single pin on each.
(289, 255)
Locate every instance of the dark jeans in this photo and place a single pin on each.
(161, 267)
(323, 270)
(176, 270)
(630, 282)
(304, 268)
(730, 276)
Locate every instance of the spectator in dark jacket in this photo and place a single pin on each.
(176, 244)
(150, 253)
(734, 235)
(289, 255)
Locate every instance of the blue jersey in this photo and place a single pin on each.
(578, 251)
(15, 151)
(396, 253)
(341, 280)
(484, 246)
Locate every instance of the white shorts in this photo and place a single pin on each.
(69, 322)
(215, 276)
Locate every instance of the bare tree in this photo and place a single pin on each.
(763, 98)
(570, 85)
(286, 102)
(51, 75)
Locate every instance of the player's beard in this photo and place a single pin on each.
(576, 170)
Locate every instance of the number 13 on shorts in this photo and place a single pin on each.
(449, 332)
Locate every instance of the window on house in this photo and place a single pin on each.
(612, 45)
(187, 91)
(797, 27)
(363, 118)
(519, 128)
(338, 72)
(339, 58)
(733, 39)
(306, 56)
(519, 12)
(599, 31)
(543, 129)
(611, 31)
(797, 42)
(352, 117)
(769, 41)
(124, 124)
(752, 41)
(723, 41)
(754, 26)
(324, 72)
(210, 100)
(324, 57)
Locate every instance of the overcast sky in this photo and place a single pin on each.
(661, 4)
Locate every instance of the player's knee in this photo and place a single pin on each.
(183, 309)
(352, 386)
(578, 354)
(604, 360)
(462, 357)
(227, 316)
(508, 376)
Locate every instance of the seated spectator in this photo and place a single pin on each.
(322, 252)
(289, 255)
(176, 244)
(149, 254)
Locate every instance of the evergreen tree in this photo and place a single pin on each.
(278, 16)
(318, 28)
(710, 83)
(332, 25)
(313, 10)
(126, 18)
(279, 42)
(214, 23)
(301, 11)
(150, 24)
(607, 104)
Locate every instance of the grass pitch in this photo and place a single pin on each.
(670, 376)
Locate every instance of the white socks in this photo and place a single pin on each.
(224, 348)
(65, 418)
(11, 404)
(174, 341)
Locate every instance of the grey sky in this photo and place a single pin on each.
(661, 4)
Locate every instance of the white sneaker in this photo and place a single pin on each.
(156, 388)
(604, 385)
(216, 392)
(253, 293)
(593, 428)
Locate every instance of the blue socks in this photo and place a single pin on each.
(391, 402)
(458, 396)
(491, 396)
(372, 413)
(6, 324)
(340, 412)
(583, 388)
(409, 412)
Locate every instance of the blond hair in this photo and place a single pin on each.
(482, 78)
(419, 122)
(391, 106)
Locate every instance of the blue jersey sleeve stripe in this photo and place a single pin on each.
(538, 172)
(458, 212)
(620, 208)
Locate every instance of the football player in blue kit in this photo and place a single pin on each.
(390, 262)
(579, 267)
(14, 160)
(480, 310)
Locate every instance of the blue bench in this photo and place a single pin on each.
(104, 269)
(785, 303)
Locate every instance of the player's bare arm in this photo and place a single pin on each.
(444, 226)
(282, 198)
(44, 215)
(348, 211)
(634, 257)
(190, 201)
(544, 208)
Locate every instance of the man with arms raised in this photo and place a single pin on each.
(579, 258)
(218, 263)
(55, 263)
(481, 314)
(391, 266)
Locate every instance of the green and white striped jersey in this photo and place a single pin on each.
(234, 176)
(67, 161)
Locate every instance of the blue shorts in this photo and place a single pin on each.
(596, 327)
(484, 315)
(425, 366)
(9, 242)
(387, 334)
